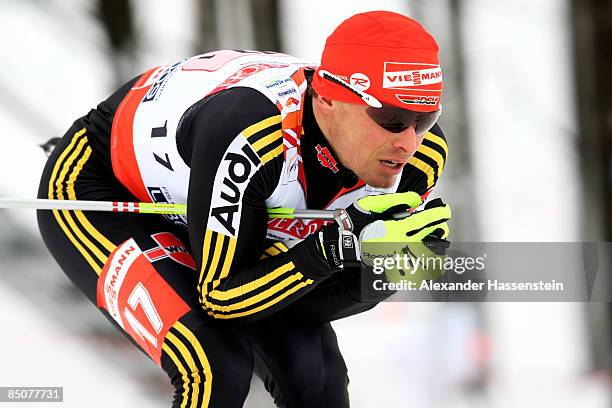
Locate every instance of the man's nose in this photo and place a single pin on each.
(406, 140)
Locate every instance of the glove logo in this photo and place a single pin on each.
(334, 254)
(326, 159)
(347, 241)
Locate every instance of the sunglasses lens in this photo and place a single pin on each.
(395, 119)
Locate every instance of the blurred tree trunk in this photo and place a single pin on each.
(207, 39)
(461, 131)
(444, 19)
(118, 22)
(238, 24)
(265, 16)
(116, 16)
(592, 31)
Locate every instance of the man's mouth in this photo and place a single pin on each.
(393, 164)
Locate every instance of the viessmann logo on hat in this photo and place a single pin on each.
(403, 75)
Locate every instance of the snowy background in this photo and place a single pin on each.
(521, 184)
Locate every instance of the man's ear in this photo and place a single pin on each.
(323, 103)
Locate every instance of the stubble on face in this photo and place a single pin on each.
(359, 144)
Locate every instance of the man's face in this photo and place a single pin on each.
(375, 155)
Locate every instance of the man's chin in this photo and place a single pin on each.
(381, 182)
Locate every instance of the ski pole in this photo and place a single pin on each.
(153, 208)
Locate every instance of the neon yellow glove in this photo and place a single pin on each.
(372, 208)
(340, 243)
(413, 228)
(415, 243)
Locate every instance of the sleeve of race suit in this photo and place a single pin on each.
(234, 146)
(425, 168)
(343, 295)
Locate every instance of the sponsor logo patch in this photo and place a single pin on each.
(116, 270)
(360, 81)
(283, 228)
(408, 75)
(235, 170)
(326, 159)
(159, 85)
(292, 101)
(418, 99)
(292, 159)
(286, 92)
(347, 242)
(244, 73)
(138, 298)
(171, 247)
(276, 82)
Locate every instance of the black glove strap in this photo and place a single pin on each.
(351, 254)
(340, 249)
(331, 246)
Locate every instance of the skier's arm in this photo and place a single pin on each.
(235, 149)
(342, 294)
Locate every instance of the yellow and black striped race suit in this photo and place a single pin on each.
(233, 306)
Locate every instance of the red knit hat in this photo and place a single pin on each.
(381, 58)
